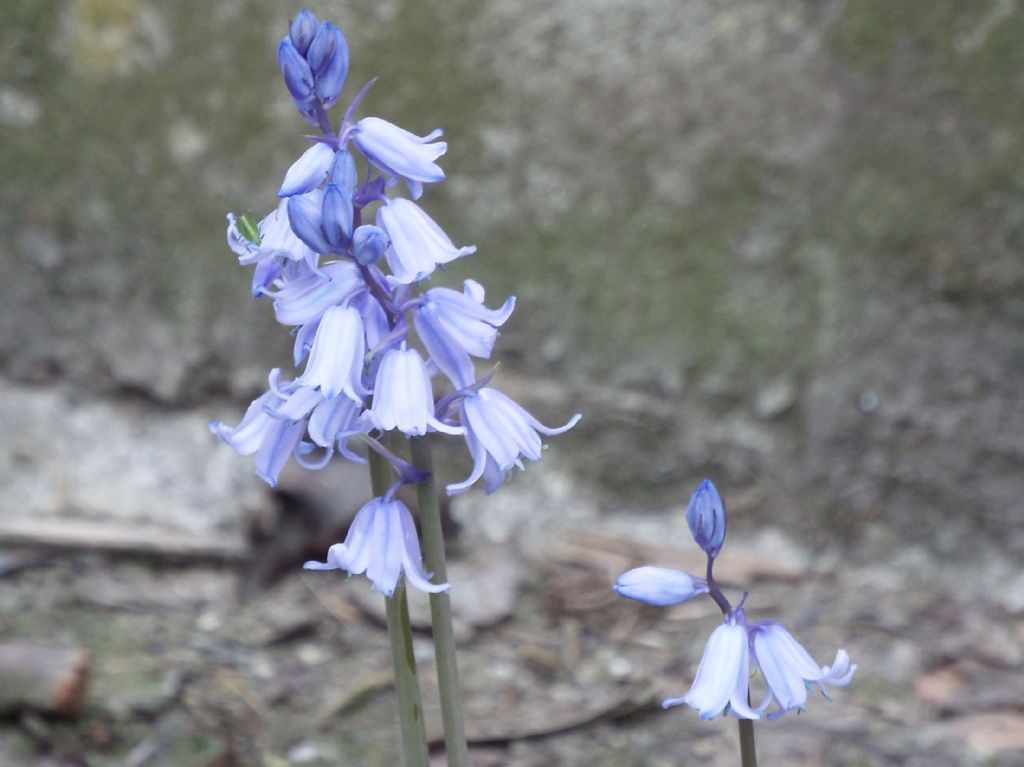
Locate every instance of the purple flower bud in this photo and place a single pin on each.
(706, 517)
(418, 244)
(337, 217)
(297, 75)
(305, 212)
(328, 60)
(303, 29)
(369, 243)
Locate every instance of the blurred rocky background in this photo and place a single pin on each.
(774, 242)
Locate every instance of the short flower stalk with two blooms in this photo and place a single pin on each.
(737, 648)
(386, 362)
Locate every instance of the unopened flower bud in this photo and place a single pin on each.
(297, 75)
(328, 60)
(303, 29)
(337, 217)
(706, 517)
(368, 244)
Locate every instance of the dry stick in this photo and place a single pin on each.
(410, 706)
(440, 609)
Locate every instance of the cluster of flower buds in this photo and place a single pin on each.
(736, 648)
(349, 288)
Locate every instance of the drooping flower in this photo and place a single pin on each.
(382, 543)
(336, 358)
(789, 670)
(308, 172)
(499, 433)
(399, 153)
(418, 244)
(454, 326)
(403, 398)
(272, 439)
(705, 514)
(723, 674)
(659, 586)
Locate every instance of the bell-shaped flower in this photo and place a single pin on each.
(499, 433)
(455, 325)
(335, 420)
(418, 244)
(309, 171)
(336, 358)
(403, 398)
(789, 670)
(722, 680)
(382, 543)
(273, 440)
(659, 586)
(705, 514)
(399, 153)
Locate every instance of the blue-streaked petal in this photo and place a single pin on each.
(245, 438)
(336, 359)
(308, 172)
(449, 357)
(659, 585)
(280, 439)
(332, 417)
(307, 299)
(723, 668)
(403, 397)
(297, 405)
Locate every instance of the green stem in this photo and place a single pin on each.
(440, 609)
(410, 707)
(748, 755)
